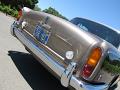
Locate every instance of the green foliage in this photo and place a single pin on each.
(11, 7)
(36, 8)
(25, 3)
(14, 13)
(111, 68)
(8, 10)
(52, 11)
(1, 8)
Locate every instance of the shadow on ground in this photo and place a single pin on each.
(34, 73)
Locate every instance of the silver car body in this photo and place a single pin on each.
(66, 50)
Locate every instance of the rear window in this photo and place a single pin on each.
(97, 29)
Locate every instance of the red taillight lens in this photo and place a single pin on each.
(19, 14)
(87, 70)
(92, 61)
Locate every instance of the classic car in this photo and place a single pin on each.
(81, 53)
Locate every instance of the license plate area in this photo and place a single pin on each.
(41, 34)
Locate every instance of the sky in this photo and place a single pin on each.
(103, 11)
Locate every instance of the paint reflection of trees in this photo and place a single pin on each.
(112, 66)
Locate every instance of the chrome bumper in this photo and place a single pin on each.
(49, 61)
(80, 85)
(13, 26)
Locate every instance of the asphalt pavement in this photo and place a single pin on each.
(18, 69)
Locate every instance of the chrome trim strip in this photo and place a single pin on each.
(12, 28)
(63, 39)
(74, 82)
(62, 58)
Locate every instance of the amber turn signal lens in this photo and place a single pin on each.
(94, 56)
(92, 61)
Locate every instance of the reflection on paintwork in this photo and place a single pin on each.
(112, 63)
(115, 69)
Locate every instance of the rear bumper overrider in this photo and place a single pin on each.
(13, 26)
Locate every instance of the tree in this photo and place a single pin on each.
(25, 3)
(52, 11)
(36, 8)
